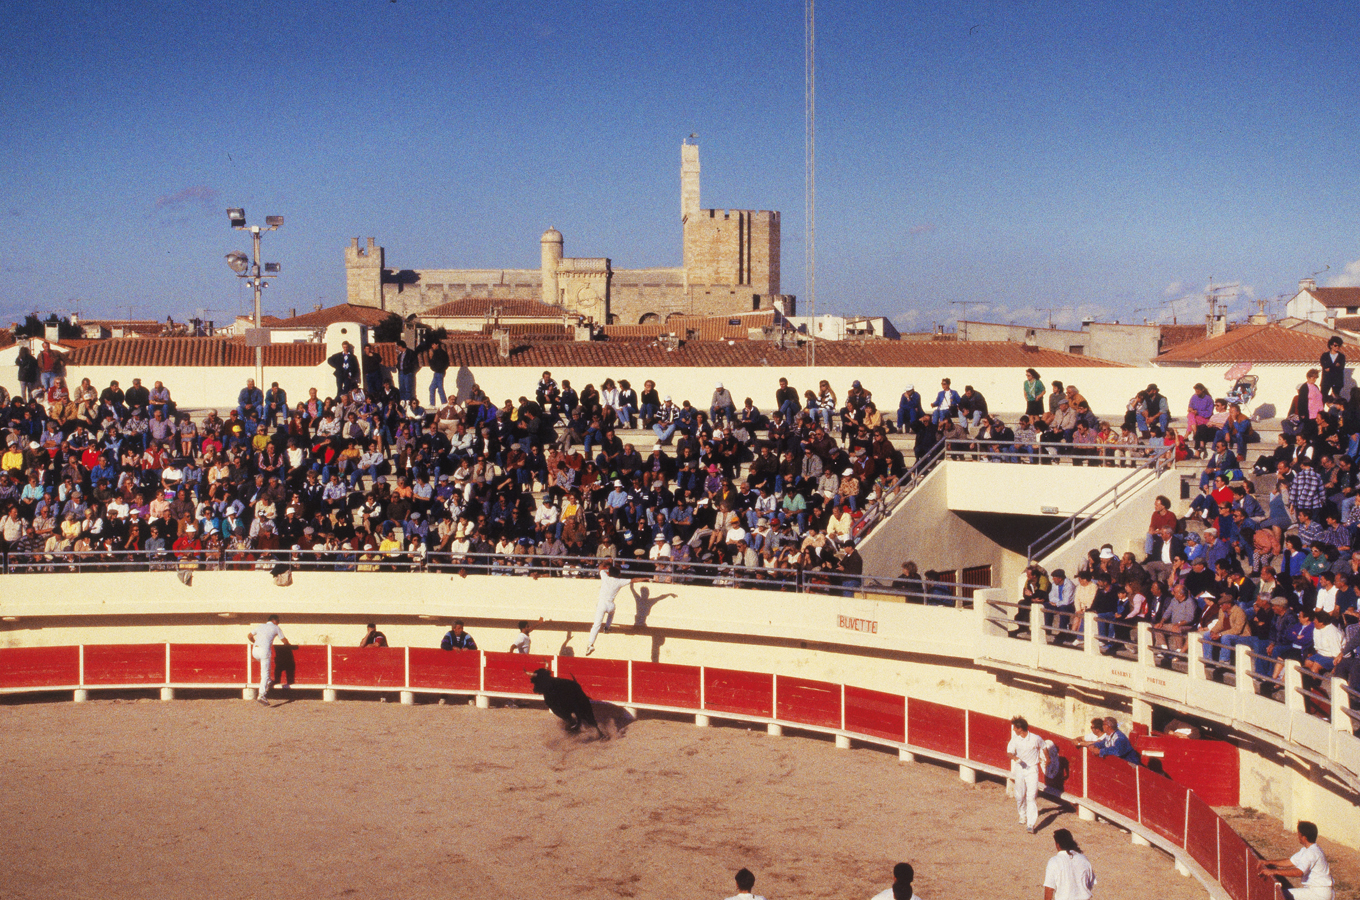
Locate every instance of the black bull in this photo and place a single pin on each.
(567, 700)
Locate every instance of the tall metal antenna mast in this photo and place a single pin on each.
(810, 173)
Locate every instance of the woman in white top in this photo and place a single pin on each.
(1069, 875)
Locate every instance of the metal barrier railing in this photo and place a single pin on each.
(794, 579)
(1158, 461)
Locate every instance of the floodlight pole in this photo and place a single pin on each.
(256, 278)
(259, 287)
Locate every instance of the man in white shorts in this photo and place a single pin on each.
(1068, 875)
(611, 582)
(1309, 864)
(263, 638)
(1028, 759)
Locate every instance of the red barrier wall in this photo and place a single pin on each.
(808, 702)
(1209, 768)
(125, 664)
(296, 665)
(1114, 783)
(446, 670)
(1201, 835)
(33, 667)
(744, 693)
(1161, 805)
(666, 684)
(208, 664)
(368, 667)
(875, 713)
(1232, 862)
(987, 739)
(602, 679)
(508, 673)
(935, 726)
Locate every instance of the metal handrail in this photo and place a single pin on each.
(1067, 530)
(932, 592)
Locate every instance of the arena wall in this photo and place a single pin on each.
(935, 654)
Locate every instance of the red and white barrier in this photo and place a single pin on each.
(1153, 807)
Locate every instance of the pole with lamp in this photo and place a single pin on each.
(249, 269)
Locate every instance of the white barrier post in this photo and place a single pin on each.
(167, 692)
(483, 701)
(408, 696)
(81, 695)
(328, 695)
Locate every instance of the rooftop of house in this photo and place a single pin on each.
(1249, 343)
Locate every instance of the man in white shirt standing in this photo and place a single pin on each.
(1309, 864)
(262, 638)
(611, 582)
(1028, 759)
(1069, 875)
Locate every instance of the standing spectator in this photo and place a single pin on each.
(786, 400)
(346, 366)
(1028, 759)
(28, 372)
(408, 363)
(439, 366)
(1201, 408)
(49, 366)
(1117, 743)
(1069, 875)
(1034, 393)
(1333, 364)
(1309, 864)
(373, 370)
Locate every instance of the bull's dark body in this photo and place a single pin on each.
(567, 700)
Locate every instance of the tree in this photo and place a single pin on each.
(388, 331)
(35, 327)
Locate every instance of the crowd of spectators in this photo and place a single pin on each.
(1278, 575)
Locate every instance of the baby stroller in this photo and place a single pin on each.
(1244, 387)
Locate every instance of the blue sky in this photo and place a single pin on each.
(1097, 158)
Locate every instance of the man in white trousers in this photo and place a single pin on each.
(1309, 865)
(262, 638)
(611, 582)
(1028, 759)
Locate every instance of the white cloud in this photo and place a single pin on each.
(1174, 289)
(1347, 277)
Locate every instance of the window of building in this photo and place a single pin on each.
(1077, 349)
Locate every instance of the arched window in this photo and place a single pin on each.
(650, 319)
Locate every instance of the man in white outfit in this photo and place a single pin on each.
(611, 582)
(1028, 759)
(1068, 875)
(263, 638)
(746, 883)
(1309, 864)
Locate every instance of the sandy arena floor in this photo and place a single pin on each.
(223, 798)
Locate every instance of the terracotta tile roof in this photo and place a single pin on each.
(480, 307)
(1250, 343)
(344, 312)
(1336, 296)
(1175, 335)
(721, 354)
(537, 331)
(705, 328)
(195, 352)
(7, 338)
(139, 326)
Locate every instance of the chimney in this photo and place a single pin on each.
(1307, 284)
(1258, 319)
(1218, 325)
(51, 332)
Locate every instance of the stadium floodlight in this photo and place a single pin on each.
(271, 268)
(273, 222)
(237, 217)
(238, 261)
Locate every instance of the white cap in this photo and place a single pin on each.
(719, 385)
